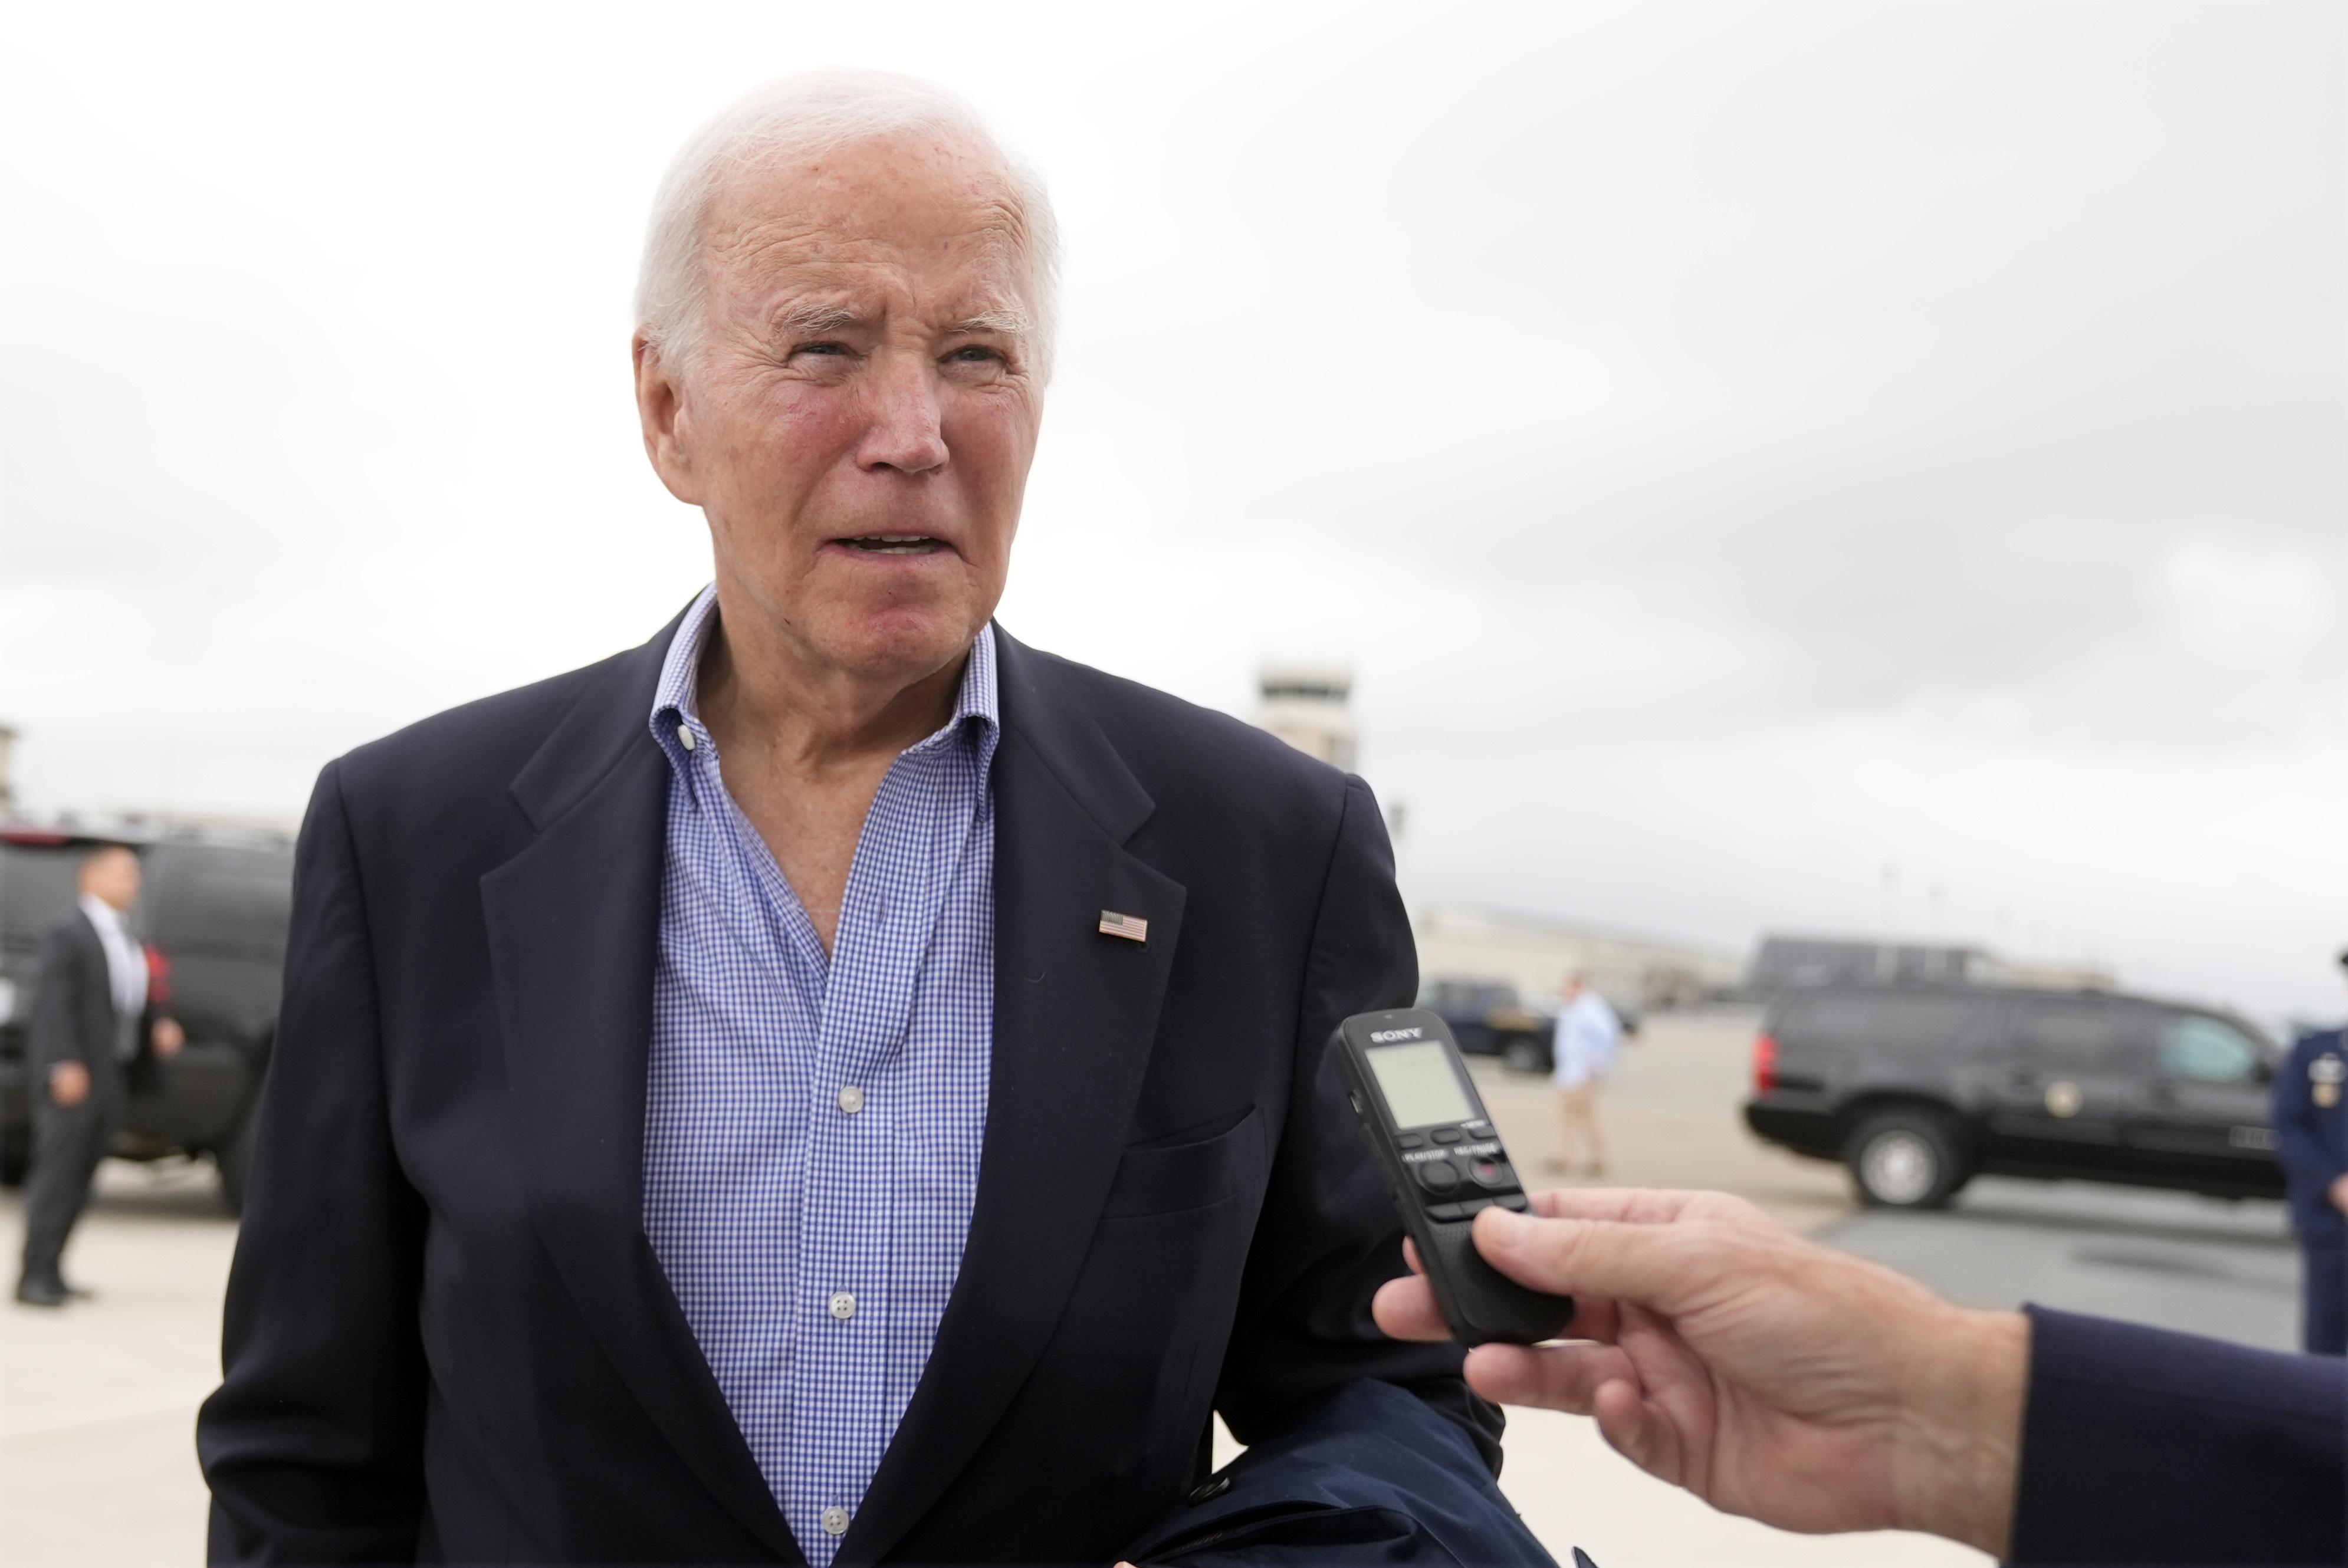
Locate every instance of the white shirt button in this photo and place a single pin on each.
(835, 1520)
(843, 1307)
(851, 1100)
(684, 736)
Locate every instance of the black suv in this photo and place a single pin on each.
(1919, 1090)
(1488, 1020)
(213, 916)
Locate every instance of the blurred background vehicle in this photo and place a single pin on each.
(1489, 1018)
(213, 920)
(1918, 1089)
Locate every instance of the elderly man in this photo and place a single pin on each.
(832, 1083)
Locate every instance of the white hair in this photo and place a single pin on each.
(799, 117)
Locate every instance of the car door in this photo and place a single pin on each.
(2204, 1115)
(2071, 1081)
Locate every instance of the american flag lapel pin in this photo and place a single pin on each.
(1132, 928)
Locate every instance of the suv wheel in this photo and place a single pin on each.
(1523, 1054)
(1905, 1160)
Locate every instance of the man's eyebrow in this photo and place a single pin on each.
(815, 318)
(1004, 319)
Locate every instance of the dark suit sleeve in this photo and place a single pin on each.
(1328, 1236)
(2143, 1446)
(313, 1444)
(61, 984)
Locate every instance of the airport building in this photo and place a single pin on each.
(1646, 974)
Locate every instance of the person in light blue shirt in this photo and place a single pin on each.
(1588, 1034)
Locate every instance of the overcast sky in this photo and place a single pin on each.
(1830, 467)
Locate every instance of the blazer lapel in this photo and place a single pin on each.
(575, 924)
(1074, 1014)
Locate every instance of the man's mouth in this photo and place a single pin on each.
(894, 544)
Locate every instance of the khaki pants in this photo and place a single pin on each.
(1578, 1110)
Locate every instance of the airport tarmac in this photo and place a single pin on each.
(97, 1401)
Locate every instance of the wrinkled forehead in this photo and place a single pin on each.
(921, 205)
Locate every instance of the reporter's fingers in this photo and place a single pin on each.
(1554, 1376)
(1650, 1204)
(1647, 1205)
(1667, 1267)
(1405, 1309)
(1410, 1255)
(1639, 1431)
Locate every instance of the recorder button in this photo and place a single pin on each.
(1448, 1135)
(1409, 1141)
(1493, 1173)
(1438, 1176)
(1513, 1201)
(1446, 1211)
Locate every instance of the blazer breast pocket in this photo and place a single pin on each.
(1169, 1179)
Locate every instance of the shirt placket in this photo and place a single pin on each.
(845, 1307)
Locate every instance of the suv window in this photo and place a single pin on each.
(232, 902)
(36, 885)
(2206, 1050)
(1883, 1022)
(2081, 1037)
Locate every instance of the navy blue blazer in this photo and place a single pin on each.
(2311, 1138)
(448, 1338)
(2143, 1446)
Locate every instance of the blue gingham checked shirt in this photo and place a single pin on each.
(812, 1133)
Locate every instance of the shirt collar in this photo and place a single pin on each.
(676, 710)
(103, 915)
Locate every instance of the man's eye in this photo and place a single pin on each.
(976, 353)
(833, 348)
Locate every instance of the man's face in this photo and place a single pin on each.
(860, 422)
(112, 875)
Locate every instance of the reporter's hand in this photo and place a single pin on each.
(168, 1036)
(1772, 1377)
(68, 1083)
(2339, 1194)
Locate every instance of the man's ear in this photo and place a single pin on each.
(660, 407)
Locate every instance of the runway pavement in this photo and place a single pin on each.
(97, 1401)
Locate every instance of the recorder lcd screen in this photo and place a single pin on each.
(1420, 1088)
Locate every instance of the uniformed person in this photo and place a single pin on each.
(2311, 1126)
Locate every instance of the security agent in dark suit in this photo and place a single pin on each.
(2310, 1124)
(449, 1334)
(88, 1005)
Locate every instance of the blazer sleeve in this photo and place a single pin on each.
(61, 982)
(313, 1444)
(1328, 1236)
(2143, 1446)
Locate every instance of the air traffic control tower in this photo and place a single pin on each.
(1306, 705)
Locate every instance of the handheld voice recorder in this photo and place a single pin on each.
(1442, 1156)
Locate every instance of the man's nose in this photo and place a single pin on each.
(905, 429)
